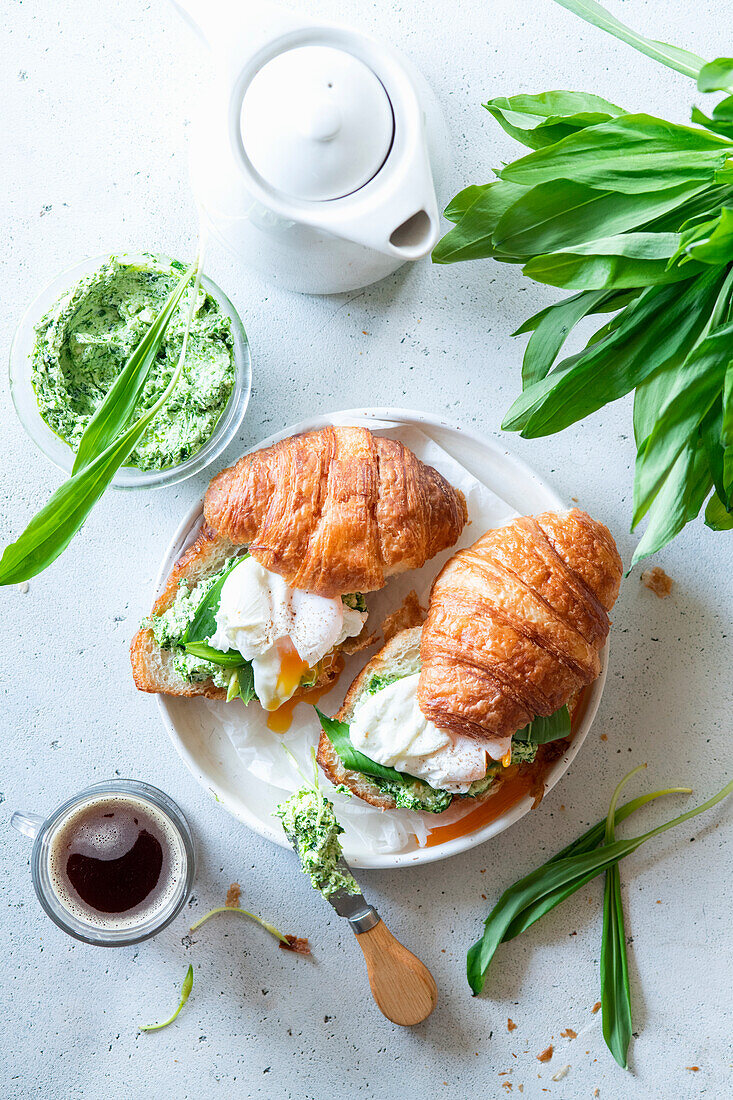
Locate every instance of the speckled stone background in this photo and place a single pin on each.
(96, 103)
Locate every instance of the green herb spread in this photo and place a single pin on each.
(311, 825)
(85, 340)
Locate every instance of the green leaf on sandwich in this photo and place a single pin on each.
(407, 791)
(242, 684)
(231, 659)
(541, 730)
(203, 624)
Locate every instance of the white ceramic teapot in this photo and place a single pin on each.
(312, 158)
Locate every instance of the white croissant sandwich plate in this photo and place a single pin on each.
(232, 752)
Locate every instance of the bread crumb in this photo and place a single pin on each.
(568, 1033)
(507, 1085)
(596, 1006)
(546, 1054)
(298, 944)
(694, 1069)
(510, 1025)
(596, 1092)
(23, 587)
(520, 1088)
(234, 894)
(560, 1074)
(409, 614)
(355, 645)
(657, 581)
(604, 737)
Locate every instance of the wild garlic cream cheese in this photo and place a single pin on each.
(84, 341)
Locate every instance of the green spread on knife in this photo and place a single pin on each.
(84, 341)
(309, 821)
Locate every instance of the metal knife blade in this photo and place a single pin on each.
(354, 907)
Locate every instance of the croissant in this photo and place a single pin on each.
(336, 510)
(516, 623)
(332, 511)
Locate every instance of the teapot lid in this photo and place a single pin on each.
(316, 123)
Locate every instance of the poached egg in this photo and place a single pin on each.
(283, 631)
(390, 728)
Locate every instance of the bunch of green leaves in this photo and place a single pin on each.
(540, 891)
(107, 443)
(634, 214)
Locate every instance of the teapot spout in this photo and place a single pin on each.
(396, 213)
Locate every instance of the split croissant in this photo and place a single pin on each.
(516, 623)
(333, 511)
(336, 510)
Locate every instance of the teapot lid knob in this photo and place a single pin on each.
(316, 123)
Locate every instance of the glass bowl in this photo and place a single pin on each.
(127, 477)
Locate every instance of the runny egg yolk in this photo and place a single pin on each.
(506, 758)
(292, 668)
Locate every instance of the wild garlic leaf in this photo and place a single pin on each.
(231, 659)
(463, 201)
(471, 238)
(651, 395)
(678, 501)
(717, 246)
(585, 843)
(540, 120)
(541, 730)
(562, 875)
(717, 517)
(691, 393)
(558, 214)
(710, 433)
(615, 991)
(52, 529)
(114, 413)
(203, 624)
(671, 56)
(716, 76)
(552, 330)
(722, 126)
(612, 263)
(630, 154)
(658, 329)
(338, 734)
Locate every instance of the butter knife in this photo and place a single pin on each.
(402, 986)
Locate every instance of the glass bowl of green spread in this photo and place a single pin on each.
(76, 337)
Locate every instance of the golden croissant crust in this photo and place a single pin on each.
(335, 510)
(516, 623)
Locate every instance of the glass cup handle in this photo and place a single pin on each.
(27, 824)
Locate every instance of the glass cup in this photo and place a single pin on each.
(43, 832)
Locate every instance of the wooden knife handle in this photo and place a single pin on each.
(403, 987)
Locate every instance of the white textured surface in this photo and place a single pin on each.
(96, 101)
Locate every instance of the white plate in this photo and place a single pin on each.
(206, 748)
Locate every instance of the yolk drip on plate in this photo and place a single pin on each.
(280, 720)
(516, 784)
